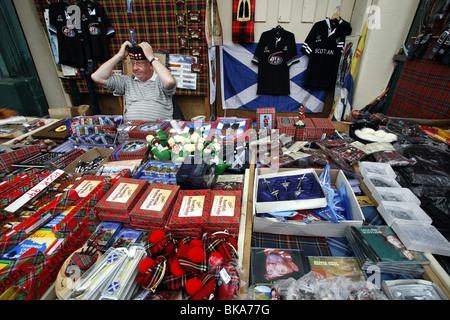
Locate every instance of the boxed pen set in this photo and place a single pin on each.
(154, 206)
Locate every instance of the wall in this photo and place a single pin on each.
(377, 65)
(374, 71)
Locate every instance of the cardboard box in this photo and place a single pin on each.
(225, 212)
(315, 129)
(315, 228)
(69, 112)
(286, 125)
(89, 156)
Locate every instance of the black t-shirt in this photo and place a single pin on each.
(96, 27)
(70, 48)
(324, 46)
(275, 53)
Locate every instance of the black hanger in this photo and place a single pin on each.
(66, 2)
(278, 30)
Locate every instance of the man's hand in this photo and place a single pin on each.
(148, 50)
(123, 52)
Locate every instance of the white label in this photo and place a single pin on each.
(225, 276)
(86, 187)
(156, 199)
(192, 206)
(34, 191)
(123, 192)
(223, 206)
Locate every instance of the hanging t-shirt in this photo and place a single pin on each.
(70, 49)
(324, 46)
(96, 27)
(275, 53)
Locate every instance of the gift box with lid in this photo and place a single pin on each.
(265, 118)
(191, 210)
(118, 202)
(153, 208)
(286, 125)
(131, 149)
(225, 211)
(315, 129)
(142, 130)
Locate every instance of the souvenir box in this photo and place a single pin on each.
(191, 210)
(288, 190)
(117, 203)
(230, 129)
(317, 129)
(141, 131)
(315, 228)
(225, 211)
(154, 206)
(193, 126)
(87, 157)
(265, 118)
(286, 125)
(131, 149)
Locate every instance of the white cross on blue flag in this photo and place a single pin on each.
(239, 80)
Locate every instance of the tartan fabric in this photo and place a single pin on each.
(394, 158)
(82, 261)
(157, 249)
(227, 291)
(422, 91)
(221, 246)
(151, 278)
(16, 156)
(243, 31)
(182, 215)
(208, 287)
(190, 266)
(175, 283)
(154, 22)
(312, 246)
(121, 154)
(315, 129)
(141, 216)
(262, 111)
(223, 200)
(288, 129)
(111, 203)
(137, 133)
(346, 152)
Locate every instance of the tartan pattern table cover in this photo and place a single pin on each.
(152, 21)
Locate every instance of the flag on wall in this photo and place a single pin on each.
(239, 80)
(343, 104)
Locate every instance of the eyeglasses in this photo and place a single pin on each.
(139, 62)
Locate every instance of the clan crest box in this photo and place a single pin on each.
(153, 208)
(117, 203)
(141, 131)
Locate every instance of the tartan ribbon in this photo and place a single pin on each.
(150, 279)
(189, 266)
(156, 249)
(173, 282)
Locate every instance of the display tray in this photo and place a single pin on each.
(39, 160)
(314, 228)
(266, 183)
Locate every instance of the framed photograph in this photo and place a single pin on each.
(269, 265)
(196, 51)
(162, 55)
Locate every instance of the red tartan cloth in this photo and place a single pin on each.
(145, 213)
(287, 129)
(243, 31)
(225, 211)
(16, 156)
(422, 91)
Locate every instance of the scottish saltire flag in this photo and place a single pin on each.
(239, 80)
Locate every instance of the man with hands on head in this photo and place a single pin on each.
(148, 92)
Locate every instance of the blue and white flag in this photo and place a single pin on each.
(239, 80)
